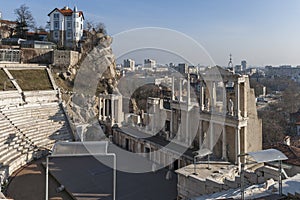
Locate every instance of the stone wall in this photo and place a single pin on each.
(65, 58)
(31, 55)
(10, 97)
(41, 96)
(254, 127)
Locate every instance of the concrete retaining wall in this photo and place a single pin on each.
(30, 55)
(41, 96)
(64, 58)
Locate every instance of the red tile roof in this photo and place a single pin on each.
(37, 33)
(66, 12)
(7, 22)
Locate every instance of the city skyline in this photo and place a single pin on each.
(261, 32)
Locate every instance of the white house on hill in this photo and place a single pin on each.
(66, 26)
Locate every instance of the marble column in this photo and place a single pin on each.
(103, 109)
(100, 106)
(173, 89)
(237, 100)
(180, 90)
(224, 107)
(211, 136)
(224, 144)
(202, 89)
(200, 134)
(107, 107)
(112, 110)
(238, 146)
(213, 96)
(189, 90)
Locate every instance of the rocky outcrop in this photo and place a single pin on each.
(96, 74)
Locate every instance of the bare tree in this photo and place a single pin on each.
(25, 20)
(89, 25)
(100, 28)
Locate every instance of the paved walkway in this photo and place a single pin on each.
(28, 183)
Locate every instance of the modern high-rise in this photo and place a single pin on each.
(182, 68)
(244, 65)
(129, 64)
(66, 26)
(149, 63)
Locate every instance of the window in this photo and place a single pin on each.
(77, 24)
(81, 26)
(69, 34)
(69, 18)
(56, 25)
(69, 25)
(55, 34)
(56, 16)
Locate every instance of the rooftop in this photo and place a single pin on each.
(216, 171)
(292, 152)
(66, 11)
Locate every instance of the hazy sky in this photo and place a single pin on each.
(260, 31)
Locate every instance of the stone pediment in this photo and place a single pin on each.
(218, 73)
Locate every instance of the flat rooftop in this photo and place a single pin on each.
(216, 171)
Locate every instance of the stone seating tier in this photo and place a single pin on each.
(26, 130)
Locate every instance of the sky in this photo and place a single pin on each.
(263, 32)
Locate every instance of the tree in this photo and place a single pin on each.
(100, 28)
(89, 25)
(25, 20)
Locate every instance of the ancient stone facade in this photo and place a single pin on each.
(221, 117)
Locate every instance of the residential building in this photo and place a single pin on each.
(238, 68)
(66, 26)
(37, 44)
(182, 68)
(7, 28)
(129, 64)
(295, 123)
(244, 65)
(149, 63)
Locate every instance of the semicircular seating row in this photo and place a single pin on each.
(26, 132)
